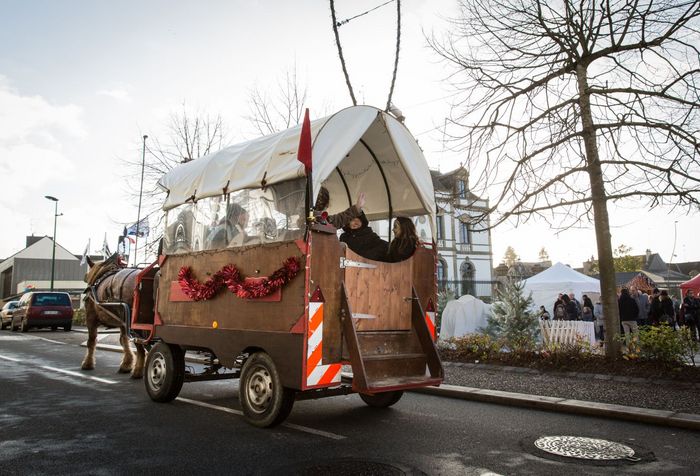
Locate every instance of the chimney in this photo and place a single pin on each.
(648, 257)
(32, 239)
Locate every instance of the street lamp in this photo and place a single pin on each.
(53, 253)
(138, 214)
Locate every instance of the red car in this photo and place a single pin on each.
(43, 309)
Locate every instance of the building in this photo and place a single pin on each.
(30, 269)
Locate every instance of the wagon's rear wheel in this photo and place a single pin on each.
(264, 400)
(382, 400)
(165, 372)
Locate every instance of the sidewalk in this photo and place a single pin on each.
(662, 402)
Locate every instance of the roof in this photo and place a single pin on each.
(360, 147)
(40, 249)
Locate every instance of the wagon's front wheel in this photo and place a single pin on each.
(165, 372)
(264, 400)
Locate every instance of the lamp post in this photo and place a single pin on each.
(53, 253)
(138, 214)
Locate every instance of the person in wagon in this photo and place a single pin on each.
(405, 240)
(361, 239)
(231, 231)
(338, 220)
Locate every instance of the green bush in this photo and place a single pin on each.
(664, 344)
(578, 351)
(79, 317)
(470, 346)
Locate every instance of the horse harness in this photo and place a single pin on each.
(108, 278)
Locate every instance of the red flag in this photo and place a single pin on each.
(304, 151)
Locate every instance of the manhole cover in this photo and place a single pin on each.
(585, 448)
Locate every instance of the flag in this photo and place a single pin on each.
(304, 150)
(143, 230)
(83, 260)
(105, 248)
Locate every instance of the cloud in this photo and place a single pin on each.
(33, 142)
(118, 94)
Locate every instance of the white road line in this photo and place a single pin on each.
(52, 341)
(305, 429)
(78, 374)
(9, 358)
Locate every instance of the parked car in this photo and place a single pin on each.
(6, 313)
(43, 309)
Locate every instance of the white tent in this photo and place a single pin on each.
(559, 278)
(465, 315)
(358, 149)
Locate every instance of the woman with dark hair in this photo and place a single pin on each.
(405, 240)
(363, 240)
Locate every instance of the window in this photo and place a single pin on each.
(440, 227)
(464, 232)
(241, 218)
(441, 272)
(461, 189)
(51, 299)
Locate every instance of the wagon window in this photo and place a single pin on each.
(209, 231)
(179, 223)
(273, 214)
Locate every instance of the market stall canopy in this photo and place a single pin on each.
(693, 284)
(559, 278)
(358, 149)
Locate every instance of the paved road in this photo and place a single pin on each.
(56, 419)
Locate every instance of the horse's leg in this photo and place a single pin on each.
(91, 323)
(137, 372)
(128, 359)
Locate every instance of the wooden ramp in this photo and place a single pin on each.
(386, 336)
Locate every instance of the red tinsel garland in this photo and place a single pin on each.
(230, 277)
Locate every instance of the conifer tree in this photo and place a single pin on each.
(511, 319)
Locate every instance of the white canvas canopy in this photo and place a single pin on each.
(358, 149)
(559, 278)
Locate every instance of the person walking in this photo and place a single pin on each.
(627, 306)
(668, 314)
(599, 320)
(655, 312)
(577, 305)
(691, 314)
(571, 311)
(643, 303)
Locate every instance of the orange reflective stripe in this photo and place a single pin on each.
(316, 320)
(431, 326)
(314, 359)
(330, 374)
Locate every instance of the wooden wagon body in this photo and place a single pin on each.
(340, 309)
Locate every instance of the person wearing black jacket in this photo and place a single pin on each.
(361, 239)
(627, 306)
(691, 313)
(668, 313)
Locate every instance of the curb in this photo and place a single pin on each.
(688, 421)
(645, 415)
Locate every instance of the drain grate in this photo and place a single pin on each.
(585, 448)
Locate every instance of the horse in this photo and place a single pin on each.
(109, 282)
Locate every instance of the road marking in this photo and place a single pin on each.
(52, 341)
(78, 374)
(9, 358)
(305, 429)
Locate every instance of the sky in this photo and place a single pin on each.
(82, 81)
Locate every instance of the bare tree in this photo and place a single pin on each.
(284, 108)
(568, 105)
(189, 135)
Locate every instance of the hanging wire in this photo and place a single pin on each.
(396, 58)
(347, 20)
(340, 54)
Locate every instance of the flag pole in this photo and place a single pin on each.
(138, 214)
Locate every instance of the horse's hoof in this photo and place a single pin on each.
(124, 370)
(137, 375)
(87, 367)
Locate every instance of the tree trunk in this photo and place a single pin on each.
(608, 287)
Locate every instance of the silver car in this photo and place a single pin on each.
(6, 313)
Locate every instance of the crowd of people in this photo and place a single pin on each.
(636, 308)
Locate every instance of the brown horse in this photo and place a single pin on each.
(109, 285)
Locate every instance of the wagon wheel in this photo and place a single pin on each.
(264, 400)
(381, 400)
(165, 372)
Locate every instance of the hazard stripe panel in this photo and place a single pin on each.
(430, 321)
(316, 373)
